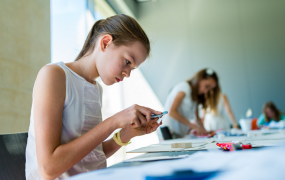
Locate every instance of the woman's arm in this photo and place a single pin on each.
(199, 120)
(229, 111)
(177, 116)
(203, 111)
(173, 112)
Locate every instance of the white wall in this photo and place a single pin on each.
(244, 41)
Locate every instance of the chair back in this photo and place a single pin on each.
(166, 133)
(12, 156)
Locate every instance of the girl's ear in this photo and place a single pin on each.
(106, 41)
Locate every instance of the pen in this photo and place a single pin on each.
(159, 115)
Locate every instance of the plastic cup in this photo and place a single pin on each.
(245, 124)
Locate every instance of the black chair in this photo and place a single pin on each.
(12, 156)
(166, 133)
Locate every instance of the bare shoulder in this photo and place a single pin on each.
(51, 72)
(224, 96)
(180, 94)
(179, 97)
(50, 80)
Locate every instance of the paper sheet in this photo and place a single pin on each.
(155, 158)
(256, 139)
(261, 164)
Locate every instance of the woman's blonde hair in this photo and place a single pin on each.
(210, 99)
(123, 29)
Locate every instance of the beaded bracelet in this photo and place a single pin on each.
(117, 139)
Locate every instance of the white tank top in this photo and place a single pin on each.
(81, 112)
(219, 121)
(186, 108)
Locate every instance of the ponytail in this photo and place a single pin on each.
(123, 29)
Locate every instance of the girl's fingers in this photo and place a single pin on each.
(155, 119)
(152, 111)
(136, 123)
(155, 127)
(145, 111)
(142, 118)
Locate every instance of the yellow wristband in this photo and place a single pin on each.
(117, 139)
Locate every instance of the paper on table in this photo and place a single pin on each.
(168, 148)
(155, 148)
(236, 165)
(156, 158)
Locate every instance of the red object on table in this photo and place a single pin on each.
(254, 124)
(232, 146)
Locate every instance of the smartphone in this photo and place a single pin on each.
(159, 115)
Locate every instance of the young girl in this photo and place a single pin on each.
(270, 113)
(66, 132)
(184, 99)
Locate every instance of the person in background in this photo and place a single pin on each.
(185, 97)
(270, 113)
(215, 118)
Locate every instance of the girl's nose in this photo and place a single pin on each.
(127, 74)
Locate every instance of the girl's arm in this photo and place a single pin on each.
(53, 157)
(127, 133)
(229, 111)
(261, 120)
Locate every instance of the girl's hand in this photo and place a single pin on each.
(150, 127)
(129, 132)
(134, 117)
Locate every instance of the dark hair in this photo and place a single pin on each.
(210, 99)
(124, 30)
(271, 106)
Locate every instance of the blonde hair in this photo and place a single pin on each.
(210, 99)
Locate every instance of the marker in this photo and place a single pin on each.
(159, 115)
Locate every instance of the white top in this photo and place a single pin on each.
(186, 108)
(213, 122)
(81, 112)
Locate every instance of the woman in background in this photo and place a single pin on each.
(215, 119)
(184, 99)
(270, 113)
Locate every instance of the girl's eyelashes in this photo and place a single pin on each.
(128, 62)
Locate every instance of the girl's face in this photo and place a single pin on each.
(270, 114)
(206, 85)
(117, 62)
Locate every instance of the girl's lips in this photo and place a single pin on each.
(118, 80)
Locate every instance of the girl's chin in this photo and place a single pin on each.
(108, 83)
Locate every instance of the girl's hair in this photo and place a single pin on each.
(210, 99)
(124, 30)
(276, 112)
